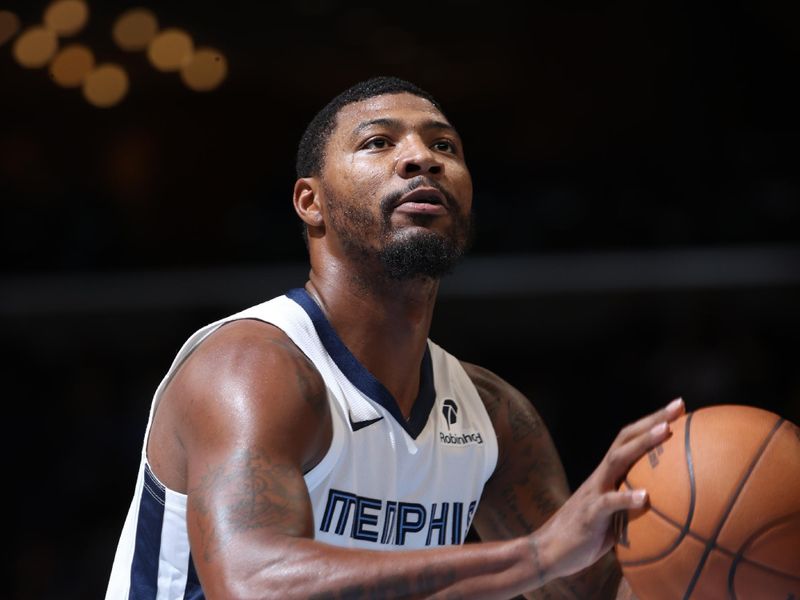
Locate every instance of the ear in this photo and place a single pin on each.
(307, 203)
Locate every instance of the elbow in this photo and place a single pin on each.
(271, 580)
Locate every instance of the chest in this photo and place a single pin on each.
(387, 490)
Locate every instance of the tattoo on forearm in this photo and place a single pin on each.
(248, 492)
(429, 581)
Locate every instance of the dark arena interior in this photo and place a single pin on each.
(637, 204)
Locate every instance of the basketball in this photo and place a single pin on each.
(723, 516)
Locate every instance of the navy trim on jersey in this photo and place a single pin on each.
(365, 381)
(144, 569)
(193, 590)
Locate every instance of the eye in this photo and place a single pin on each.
(376, 143)
(445, 146)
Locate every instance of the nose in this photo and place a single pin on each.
(418, 159)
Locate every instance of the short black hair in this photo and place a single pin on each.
(311, 152)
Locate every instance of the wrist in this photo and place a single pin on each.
(539, 550)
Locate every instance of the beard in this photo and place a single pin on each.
(404, 254)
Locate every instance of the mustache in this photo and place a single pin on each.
(390, 199)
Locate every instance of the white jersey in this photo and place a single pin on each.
(385, 483)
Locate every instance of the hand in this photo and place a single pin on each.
(580, 532)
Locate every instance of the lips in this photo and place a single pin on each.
(423, 200)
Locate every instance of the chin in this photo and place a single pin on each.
(420, 253)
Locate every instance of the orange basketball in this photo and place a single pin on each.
(723, 519)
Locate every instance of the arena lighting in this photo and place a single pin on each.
(66, 17)
(206, 70)
(9, 26)
(171, 50)
(106, 86)
(35, 47)
(135, 29)
(71, 65)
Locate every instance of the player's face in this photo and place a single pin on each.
(396, 185)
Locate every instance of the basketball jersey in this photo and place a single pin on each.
(385, 483)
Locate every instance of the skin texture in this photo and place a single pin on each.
(246, 415)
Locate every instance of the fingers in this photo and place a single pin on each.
(620, 458)
(613, 502)
(670, 412)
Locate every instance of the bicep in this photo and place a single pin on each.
(245, 494)
(525, 490)
(250, 435)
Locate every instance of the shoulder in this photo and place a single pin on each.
(246, 384)
(247, 358)
(238, 346)
(499, 396)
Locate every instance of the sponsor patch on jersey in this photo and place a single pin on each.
(455, 436)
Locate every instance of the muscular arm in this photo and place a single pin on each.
(529, 485)
(251, 416)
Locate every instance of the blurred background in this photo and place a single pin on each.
(637, 204)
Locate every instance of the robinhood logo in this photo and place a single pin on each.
(450, 412)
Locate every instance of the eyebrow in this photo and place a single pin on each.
(396, 124)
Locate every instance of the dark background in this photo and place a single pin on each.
(637, 200)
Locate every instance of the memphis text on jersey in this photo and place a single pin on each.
(396, 523)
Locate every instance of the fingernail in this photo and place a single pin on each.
(675, 404)
(659, 429)
(639, 497)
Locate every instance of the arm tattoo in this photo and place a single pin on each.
(308, 379)
(312, 389)
(536, 562)
(248, 492)
(523, 424)
(429, 581)
(528, 486)
(492, 403)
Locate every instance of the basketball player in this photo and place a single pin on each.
(291, 445)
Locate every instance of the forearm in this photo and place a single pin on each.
(302, 568)
(600, 581)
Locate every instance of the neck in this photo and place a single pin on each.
(384, 323)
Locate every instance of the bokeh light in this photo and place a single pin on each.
(35, 47)
(171, 50)
(206, 70)
(9, 26)
(71, 65)
(135, 29)
(106, 86)
(66, 17)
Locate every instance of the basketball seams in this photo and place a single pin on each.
(712, 542)
(685, 528)
(739, 557)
